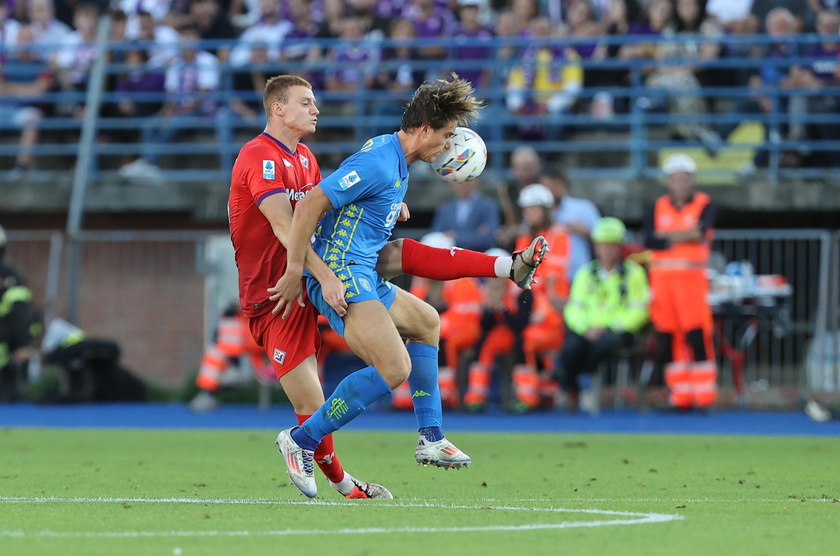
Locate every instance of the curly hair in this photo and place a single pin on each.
(437, 103)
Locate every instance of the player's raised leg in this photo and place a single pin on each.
(419, 323)
(407, 256)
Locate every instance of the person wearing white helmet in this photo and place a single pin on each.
(678, 230)
(544, 334)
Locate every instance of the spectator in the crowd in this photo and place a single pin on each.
(244, 13)
(527, 10)
(430, 21)
(9, 28)
(472, 38)
(334, 13)
(253, 60)
(781, 25)
(581, 22)
(542, 338)
(508, 27)
(139, 78)
(162, 40)
(822, 72)
(355, 61)
(470, 219)
(190, 84)
(299, 46)
(213, 25)
(525, 168)
(678, 231)
(249, 83)
(545, 82)
(157, 10)
(616, 22)
(49, 32)
(20, 91)
(684, 81)
(797, 8)
(607, 307)
(378, 25)
(76, 56)
(16, 11)
(400, 76)
(734, 16)
(577, 215)
(266, 34)
(658, 15)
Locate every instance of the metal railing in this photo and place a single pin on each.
(158, 293)
(637, 135)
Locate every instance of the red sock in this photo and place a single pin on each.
(445, 264)
(325, 456)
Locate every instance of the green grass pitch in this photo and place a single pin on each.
(136, 492)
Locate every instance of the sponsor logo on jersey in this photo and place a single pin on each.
(295, 195)
(397, 184)
(279, 356)
(287, 163)
(349, 180)
(304, 161)
(268, 169)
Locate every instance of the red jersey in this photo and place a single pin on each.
(263, 168)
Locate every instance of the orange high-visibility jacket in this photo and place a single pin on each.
(669, 218)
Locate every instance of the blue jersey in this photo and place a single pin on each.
(367, 192)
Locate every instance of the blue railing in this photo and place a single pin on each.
(637, 134)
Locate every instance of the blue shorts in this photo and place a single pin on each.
(361, 285)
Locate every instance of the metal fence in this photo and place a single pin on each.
(635, 134)
(781, 351)
(158, 295)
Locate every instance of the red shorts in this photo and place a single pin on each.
(287, 342)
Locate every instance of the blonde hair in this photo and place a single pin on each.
(277, 90)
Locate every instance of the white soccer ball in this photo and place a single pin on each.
(465, 159)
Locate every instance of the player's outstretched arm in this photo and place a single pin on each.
(307, 213)
(278, 211)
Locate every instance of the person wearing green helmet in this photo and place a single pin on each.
(607, 306)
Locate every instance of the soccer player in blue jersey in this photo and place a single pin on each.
(363, 200)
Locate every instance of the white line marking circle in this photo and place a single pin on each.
(621, 518)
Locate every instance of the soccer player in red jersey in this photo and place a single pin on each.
(273, 172)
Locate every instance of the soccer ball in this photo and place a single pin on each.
(465, 160)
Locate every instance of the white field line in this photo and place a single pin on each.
(405, 502)
(622, 518)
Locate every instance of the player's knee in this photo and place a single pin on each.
(395, 371)
(425, 324)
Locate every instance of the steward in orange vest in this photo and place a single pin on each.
(679, 232)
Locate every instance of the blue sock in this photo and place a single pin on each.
(350, 398)
(432, 434)
(423, 381)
